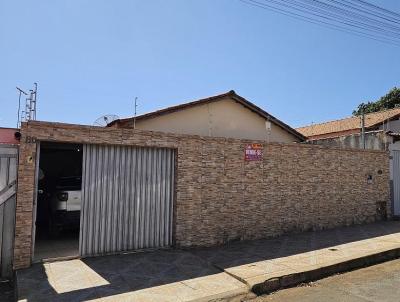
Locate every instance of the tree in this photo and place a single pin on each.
(389, 101)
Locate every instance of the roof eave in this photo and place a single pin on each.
(173, 108)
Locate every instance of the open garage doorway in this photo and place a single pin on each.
(59, 181)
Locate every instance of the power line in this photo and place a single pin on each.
(356, 13)
(328, 15)
(366, 10)
(320, 22)
(333, 17)
(378, 7)
(356, 17)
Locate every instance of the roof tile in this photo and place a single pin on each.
(349, 123)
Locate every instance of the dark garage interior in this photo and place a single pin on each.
(58, 201)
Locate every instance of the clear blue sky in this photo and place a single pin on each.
(93, 57)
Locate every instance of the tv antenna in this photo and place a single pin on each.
(19, 104)
(29, 112)
(104, 120)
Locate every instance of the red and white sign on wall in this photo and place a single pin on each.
(253, 152)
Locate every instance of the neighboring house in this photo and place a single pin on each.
(9, 136)
(381, 131)
(224, 115)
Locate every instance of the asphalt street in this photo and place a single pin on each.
(375, 283)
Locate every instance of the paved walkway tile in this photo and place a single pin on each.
(202, 274)
(153, 276)
(307, 251)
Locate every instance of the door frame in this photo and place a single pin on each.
(35, 199)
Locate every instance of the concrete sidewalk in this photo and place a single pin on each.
(229, 272)
(267, 265)
(154, 276)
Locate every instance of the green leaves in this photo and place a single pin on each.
(389, 101)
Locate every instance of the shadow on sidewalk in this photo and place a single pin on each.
(245, 252)
(108, 276)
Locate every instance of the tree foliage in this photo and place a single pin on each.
(389, 101)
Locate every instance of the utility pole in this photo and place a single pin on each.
(363, 127)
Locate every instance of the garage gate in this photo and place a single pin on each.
(8, 185)
(127, 199)
(396, 182)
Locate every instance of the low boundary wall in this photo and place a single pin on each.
(220, 196)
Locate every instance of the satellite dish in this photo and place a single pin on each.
(104, 120)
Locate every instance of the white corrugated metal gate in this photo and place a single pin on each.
(127, 198)
(396, 182)
(8, 186)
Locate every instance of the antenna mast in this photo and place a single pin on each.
(134, 117)
(19, 105)
(29, 112)
(33, 105)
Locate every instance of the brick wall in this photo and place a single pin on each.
(220, 197)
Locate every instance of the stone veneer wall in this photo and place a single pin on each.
(220, 197)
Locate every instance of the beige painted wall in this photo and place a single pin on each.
(225, 118)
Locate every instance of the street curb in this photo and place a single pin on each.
(295, 279)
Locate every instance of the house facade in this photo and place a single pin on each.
(144, 189)
(9, 136)
(129, 189)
